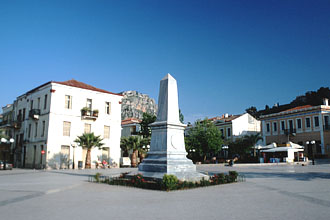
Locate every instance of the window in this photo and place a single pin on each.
(66, 128)
(87, 128)
(29, 132)
(89, 104)
(23, 114)
(290, 124)
(45, 102)
(68, 102)
(107, 108)
(43, 128)
(267, 127)
(222, 132)
(316, 121)
(106, 132)
(308, 122)
(282, 125)
(274, 126)
(39, 103)
(228, 132)
(36, 129)
(299, 126)
(19, 116)
(31, 105)
(326, 120)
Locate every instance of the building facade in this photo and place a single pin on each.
(50, 117)
(234, 126)
(302, 125)
(130, 126)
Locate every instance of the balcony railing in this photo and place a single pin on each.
(326, 127)
(90, 114)
(34, 113)
(290, 131)
(17, 124)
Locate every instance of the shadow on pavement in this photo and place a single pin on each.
(296, 176)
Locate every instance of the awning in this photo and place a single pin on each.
(294, 145)
(282, 149)
(272, 145)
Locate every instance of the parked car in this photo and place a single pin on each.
(9, 166)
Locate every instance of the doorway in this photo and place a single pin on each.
(64, 157)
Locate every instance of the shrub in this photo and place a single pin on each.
(97, 177)
(170, 182)
(218, 179)
(138, 180)
(233, 175)
(204, 182)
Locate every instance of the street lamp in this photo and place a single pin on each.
(225, 149)
(310, 145)
(74, 145)
(5, 141)
(191, 152)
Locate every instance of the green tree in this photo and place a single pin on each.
(204, 138)
(89, 141)
(145, 124)
(244, 145)
(181, 117)
(252, 140)
(253, 111)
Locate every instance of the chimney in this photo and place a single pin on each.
(325, 101)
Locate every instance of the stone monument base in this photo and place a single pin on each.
(159, 163)
(187, 176)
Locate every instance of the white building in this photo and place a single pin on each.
(130, 126)
(49, 118)
(233, 126)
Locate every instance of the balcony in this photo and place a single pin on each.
(17, 124)
(326, 127)
(34, 114)
(87, 113)
(290, 131)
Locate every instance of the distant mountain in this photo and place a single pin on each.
(134, 104)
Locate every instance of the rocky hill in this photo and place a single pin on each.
(134, 104)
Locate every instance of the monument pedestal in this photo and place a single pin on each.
(167, 153)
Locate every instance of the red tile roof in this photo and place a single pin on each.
(130, 121)
(297, 108)
(75, 83)
(224, 118)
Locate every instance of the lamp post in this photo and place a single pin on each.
(310, 145)
(5, 141)
(73, 153)
(225, 150)
(192, 152)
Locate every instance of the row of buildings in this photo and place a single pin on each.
(308, 126)
(45, 121)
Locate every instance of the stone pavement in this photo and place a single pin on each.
(270, 192)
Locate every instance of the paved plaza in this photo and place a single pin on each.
(270, 192)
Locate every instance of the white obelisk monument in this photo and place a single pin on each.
(167, 153)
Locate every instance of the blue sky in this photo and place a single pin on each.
(225, 55)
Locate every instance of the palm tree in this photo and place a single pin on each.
(252, 140)
(89, 141)
(134, 143)
(124, 146)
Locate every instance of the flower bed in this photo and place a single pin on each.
(168, 183)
